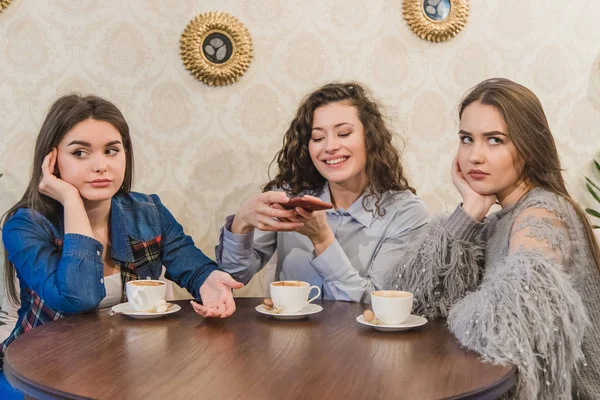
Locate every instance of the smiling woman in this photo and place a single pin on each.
(338, 149)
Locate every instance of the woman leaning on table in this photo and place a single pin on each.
(339, 149)
(521, 285)
(79, 233)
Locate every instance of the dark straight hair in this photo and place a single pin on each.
(66, 112)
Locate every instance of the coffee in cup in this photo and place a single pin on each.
(143, 295)
(147, 283)
(292, 296)
(391, 307)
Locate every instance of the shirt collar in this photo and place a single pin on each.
(121, 249)
(356, 210)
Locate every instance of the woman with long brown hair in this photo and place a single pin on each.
(521, 285)
(79, 233)
(339, 149)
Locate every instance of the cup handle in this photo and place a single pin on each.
(318, 293)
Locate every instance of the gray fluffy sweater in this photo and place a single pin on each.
(519, 288)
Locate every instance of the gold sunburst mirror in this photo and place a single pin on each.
(436, 20)
(4, 4)
(216, 48)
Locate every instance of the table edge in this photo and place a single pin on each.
(33, 389)
(493, 391)
(30, 388)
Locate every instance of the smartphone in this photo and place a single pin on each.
(306, 203)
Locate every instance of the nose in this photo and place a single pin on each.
(332, 144)
(477, 154)
(100, 167)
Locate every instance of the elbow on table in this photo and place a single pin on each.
(72, 305)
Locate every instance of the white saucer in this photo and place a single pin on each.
(412, 321)
(127, 309)
(305, 312)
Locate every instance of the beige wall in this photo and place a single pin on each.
(204, 149)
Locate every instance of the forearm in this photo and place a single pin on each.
(70, 282)
(527, 314)
(340, 277)
(243, 255)
(442, 266)
(239, 227)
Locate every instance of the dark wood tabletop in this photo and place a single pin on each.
(247, 356)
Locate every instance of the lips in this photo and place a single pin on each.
(333, 162)
(98, 183)
(477, 174)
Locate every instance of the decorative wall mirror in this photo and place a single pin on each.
(4, 4)
(436, 20)
(216, 48)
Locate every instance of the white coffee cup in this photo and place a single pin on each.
(391, 307)
(144, 294)
(292, 296)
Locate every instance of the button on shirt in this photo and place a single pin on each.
(366, 248)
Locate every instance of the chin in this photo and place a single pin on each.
(484, 192)
(482, 189)
(98, 195)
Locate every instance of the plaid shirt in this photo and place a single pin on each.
(144, 237)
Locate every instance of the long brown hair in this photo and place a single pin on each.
(66, 112)
(297, 172)
(529, 130)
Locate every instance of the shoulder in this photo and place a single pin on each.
(541, 206)
(544, 202)
(28, 220)
(405, 208)
(404, 201)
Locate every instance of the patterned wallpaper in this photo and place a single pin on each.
(204, 149)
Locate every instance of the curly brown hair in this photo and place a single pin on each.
(297, 173)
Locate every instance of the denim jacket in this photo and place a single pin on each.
(63, 274)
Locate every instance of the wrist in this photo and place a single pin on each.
(72, 200)
(323, 241)
(239, 227)
(474, 211)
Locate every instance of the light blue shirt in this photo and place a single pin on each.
(366, 248)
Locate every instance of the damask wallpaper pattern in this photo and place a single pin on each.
(204, 149)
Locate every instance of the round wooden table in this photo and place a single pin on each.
(247, 356)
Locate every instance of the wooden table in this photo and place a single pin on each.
(247, 356)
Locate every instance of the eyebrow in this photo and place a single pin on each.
(86, 144)
(335, 126)
(486, 134)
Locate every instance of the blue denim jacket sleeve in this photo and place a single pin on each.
(69, 283)
(184, 262)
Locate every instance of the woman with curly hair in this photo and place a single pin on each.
(338, 149)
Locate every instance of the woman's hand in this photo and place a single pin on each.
(262, 211)
(52, 186)
(217, 298)
(315, 227)
(474, 204)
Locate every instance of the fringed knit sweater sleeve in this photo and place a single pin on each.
(527, 309)
(444, 266)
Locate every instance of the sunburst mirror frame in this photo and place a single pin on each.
(4, 4)
(431, 29)
(216, 48)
